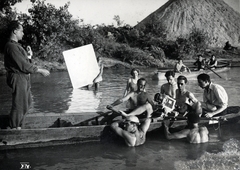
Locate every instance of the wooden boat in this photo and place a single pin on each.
(160, 74)
(62, 131)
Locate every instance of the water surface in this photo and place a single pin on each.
(54, 95)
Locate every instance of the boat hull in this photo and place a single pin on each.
(27, 138)
(160, 75)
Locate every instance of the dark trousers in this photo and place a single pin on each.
(21, 97)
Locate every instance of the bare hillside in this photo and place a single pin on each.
(177, 18)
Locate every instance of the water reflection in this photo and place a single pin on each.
(55, 94)
(82, 100)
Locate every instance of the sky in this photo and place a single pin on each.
(103, 11)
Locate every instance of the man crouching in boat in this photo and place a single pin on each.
(215, 97)
(140, 101)
(132, 131)
(193, 132)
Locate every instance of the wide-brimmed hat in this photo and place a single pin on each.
(133, 119)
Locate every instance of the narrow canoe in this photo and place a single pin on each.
(49, 136)
(160, 75)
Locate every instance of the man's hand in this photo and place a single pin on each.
(29, 52)
(110, 107)
(166, 123)
(44, 72)
(176, 113)
(208, 115)
(123, 113)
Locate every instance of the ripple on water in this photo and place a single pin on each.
(228, 159)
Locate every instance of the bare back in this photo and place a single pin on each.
(198, 135)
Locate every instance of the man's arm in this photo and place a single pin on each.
(219, 110)
(130, 140)
(150, 100)
(188, 69)
(193, 98)
(222, 97)
(119, 101)
(146, 124)
(162, 91)
(177, 135)
(44, 72)
(96, 79)
(20, 60)
(176, 68)
(146, 107)
(127, 88)
(18, 56)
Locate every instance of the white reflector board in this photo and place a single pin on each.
(82, 65)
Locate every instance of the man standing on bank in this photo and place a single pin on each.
(18, 69)
(215, 98)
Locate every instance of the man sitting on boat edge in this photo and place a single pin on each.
(186, 102)
(131, 130)
(180, 67)
(140, 100)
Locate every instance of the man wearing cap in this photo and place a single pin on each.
(132, 131)
(193, 132)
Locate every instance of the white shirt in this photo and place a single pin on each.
(215, 95)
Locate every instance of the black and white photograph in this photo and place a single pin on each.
(119, 84)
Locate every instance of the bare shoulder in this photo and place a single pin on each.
(203, 128)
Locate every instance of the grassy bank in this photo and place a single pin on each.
(56, 66)
(234, 56)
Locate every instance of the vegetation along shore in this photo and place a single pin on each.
(153, 42)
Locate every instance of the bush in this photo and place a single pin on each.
(50, 31)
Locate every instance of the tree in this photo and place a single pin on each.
(6, 4)
(117, 19)
(198, 40)
(6, 15)
(50, 30)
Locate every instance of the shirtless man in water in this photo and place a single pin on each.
(193, 132)
(132, 131)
